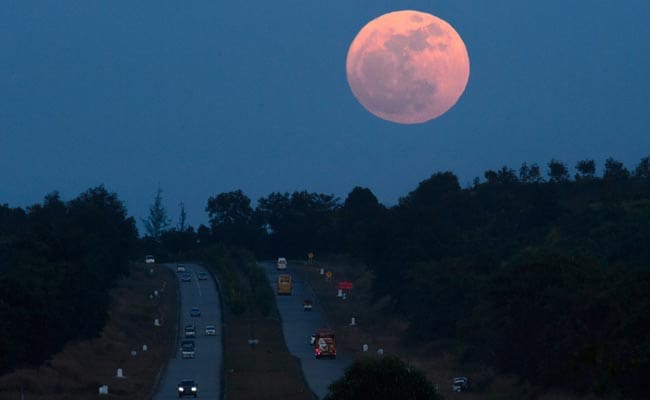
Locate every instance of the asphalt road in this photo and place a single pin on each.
(205, 368)
(298, 325)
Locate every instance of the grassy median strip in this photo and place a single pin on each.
(264, 370)
(257, 363)
(82, 367)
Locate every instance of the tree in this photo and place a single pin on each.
(535, 174)
(557, 171)
(182, 219)
(233, 221)
(299, 223)
(643, 169)
(433, 189)
(84, 244)
(586, 169)
(104, 222)
(524, 173)
(491, 177)
(361, 219)
(203, 235)
(530, 174)
(506, 175)
(157, 221)
(229, 208)
(383, 378)
(615, 171)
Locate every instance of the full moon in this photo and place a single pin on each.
(407, 67)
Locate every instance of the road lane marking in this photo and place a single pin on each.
(196, 281)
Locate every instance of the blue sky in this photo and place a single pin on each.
(204, 97)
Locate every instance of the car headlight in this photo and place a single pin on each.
(194, 388)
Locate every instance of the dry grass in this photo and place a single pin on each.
(79, 370)
(265, 371)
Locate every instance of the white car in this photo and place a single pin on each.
(282, 264)
(180, 268)
(190, 331)
(149, 259)
(210, 330)
(460, 384)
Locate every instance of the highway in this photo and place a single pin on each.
(298, 325)
(205, 368)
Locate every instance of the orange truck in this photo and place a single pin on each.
(284, 284)
(324, 343)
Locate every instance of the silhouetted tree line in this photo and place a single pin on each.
(538, 273)
(58, 261)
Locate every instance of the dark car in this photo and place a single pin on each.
(187, 349)
(187, 388)
(202, 276)
(190, 330)
(186, 278)
(195, 312)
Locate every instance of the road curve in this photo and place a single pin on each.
(298, 325)
(205, 368)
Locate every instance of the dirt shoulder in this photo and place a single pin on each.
(82, 367)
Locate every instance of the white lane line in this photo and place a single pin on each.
(198, 287)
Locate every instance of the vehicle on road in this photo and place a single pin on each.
(284, 284)
(195, 312)
(324, 343)
(282, 264)
(460, 384)
(190, 331)
(186, 278)
(188, 388)
(210, 330)
(307, 305)
(149, 259)
(187, 349)
(202, 276)
(180, 268)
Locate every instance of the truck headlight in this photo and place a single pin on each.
(180, 389)
(194, 388)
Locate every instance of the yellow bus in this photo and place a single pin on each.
(284, 284)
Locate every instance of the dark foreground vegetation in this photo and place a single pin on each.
(542, 277)
(382, 378)
(58, 261)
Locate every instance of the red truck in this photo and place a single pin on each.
(324, 343)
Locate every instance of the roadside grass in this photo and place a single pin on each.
(81, 367)
(380, 329)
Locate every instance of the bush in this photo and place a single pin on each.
(384, 378)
